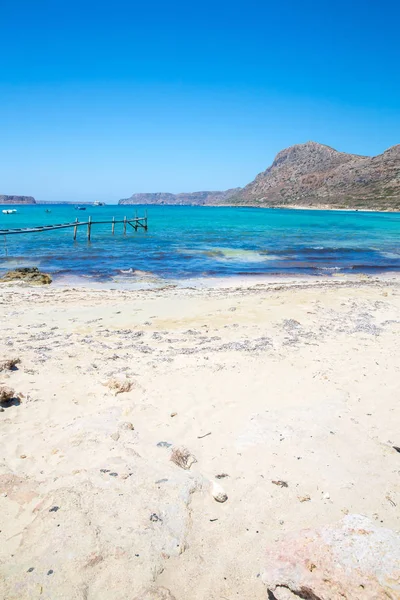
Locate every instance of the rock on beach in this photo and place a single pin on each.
(354, 559)
(7, 393)
(30, 275)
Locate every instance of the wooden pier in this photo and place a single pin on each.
(136, 223)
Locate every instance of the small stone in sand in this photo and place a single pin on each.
(218, 493)
(119, 386)
(23, 456)
(54, 509)
(281, 483)
(7, 393)
(155, 518)
(304, 498)
(173, 414)
(126, 425)
(221, 476)
(9, 364)
(164, 445)
(115, 436)
(182, 458)
(50, 572)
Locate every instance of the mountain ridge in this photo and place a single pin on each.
(314, 174)
(308, 175)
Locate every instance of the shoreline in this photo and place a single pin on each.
(206, 287)
(151, 282)
(319, 207)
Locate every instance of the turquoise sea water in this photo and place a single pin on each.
(184, 242)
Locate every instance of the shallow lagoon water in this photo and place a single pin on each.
(193, 242)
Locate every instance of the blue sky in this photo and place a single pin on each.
(102, 99)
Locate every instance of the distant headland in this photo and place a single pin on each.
(309, 175)
(4, 199)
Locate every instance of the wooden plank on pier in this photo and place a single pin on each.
(140, 222)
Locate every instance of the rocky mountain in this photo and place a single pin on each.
(312, 174)
(192, 198)
(308, 175)
(4, 199)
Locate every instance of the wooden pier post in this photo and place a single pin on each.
(136, 225)
(113, 226)
(75, 230)
(124, 225)
(145, 220)
(89, 227)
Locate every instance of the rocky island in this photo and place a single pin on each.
(4, 199)
(309, 175)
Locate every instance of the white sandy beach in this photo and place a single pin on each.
(288, 382)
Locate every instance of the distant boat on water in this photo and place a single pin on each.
(80, 207)
(9, 211)
(99, 203)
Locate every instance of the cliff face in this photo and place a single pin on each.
(4, 199)
(193, 198)
(308, 175)
(312, 174)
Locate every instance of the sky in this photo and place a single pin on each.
(99, 100)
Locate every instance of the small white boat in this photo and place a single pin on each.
(98, 203)
(9, 211)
